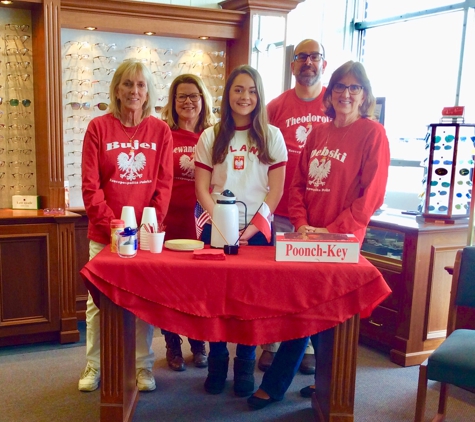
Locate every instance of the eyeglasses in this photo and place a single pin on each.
(16, 139)
(107, 71)
(77, 106)
(80, 93)
(101, 93)
(17, 64)
(77, 56)
(14, 102)
(16, 37)
(78, 81)
(17, 27)
(20, 127)
(27, 175)
(302, 57)
(74, 142)
(181, 98)
(21, 51)
(20, 163)
(23, 77)
(17, 114)
(79, 44)
(106, 46)
(75, 130)
(104, 58)
(352, 89)
(102, 106)
(77, 69)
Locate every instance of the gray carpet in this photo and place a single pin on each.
(39, 384)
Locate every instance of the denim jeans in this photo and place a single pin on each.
(279, 376)
(217, 349)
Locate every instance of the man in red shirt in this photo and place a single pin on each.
(295, 113)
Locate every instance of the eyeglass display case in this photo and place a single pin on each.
(411, 255)
(448, 171)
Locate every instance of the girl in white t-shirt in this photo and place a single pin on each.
(246, 155)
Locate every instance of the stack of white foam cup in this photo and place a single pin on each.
(128, 215)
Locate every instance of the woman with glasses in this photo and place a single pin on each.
(188, 112)
(126, 161)
(340, 181)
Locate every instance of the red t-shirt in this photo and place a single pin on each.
(296, 119)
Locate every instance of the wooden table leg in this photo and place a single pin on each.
(119, 393)
(334, 397)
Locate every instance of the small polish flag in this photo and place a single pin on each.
(262, 220)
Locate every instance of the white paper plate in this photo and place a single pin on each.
(184, 244)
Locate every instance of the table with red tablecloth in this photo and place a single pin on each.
(247, 298)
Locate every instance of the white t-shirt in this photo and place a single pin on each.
(242, 172)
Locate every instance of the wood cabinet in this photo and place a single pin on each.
(37, 278)
(411, 255)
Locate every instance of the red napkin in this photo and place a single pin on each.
(209, 254)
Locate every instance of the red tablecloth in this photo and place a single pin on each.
(248, 298)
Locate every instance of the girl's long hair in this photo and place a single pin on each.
(225, 129)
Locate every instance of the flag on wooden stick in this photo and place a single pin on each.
(201, 218)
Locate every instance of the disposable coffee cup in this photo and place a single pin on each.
(155, 241)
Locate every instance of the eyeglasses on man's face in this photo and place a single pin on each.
(181, 98)
(302, 57)
(353, 89)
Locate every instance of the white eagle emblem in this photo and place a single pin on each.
(302, 133)
(318, 171)
(187, 165)
(131, 164)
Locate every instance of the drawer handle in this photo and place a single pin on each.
(375, 323)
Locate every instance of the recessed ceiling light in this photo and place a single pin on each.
(6, 2)
(149, 33)
(203, 38)
(90, 28)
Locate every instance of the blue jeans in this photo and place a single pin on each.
(217, 349)
(279, 376)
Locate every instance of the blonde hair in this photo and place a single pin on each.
(206, 118)
(130, 68)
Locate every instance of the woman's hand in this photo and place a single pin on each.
(311, 229)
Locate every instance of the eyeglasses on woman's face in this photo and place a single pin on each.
(353, 89)
(181, 98)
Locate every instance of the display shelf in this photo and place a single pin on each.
(89, 60)
(17, 135)
(411, 254)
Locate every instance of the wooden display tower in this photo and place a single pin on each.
(448, 172)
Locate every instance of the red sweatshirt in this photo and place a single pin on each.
(341, 177)
(118, 172)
